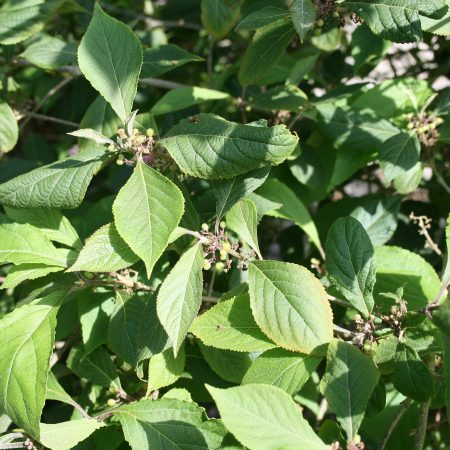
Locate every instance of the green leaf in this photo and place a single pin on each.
(164, 58)
(243, 219)
(385, 354)
(164, 369)
(89, 133)
(351, 263)
(439, 26)
(56, 392)
(185, 97)
(286, 370)
(446, 272)
(399, 154)
(292, 208)
(20, 20)
(264, 417)
(49, 52)
(101, 118)
(135, 333)
(379, 218)
(104, 251)
(9, 130)
(66, 435)
(265, 50)
(168, 424)
(97, 367)
(441, 317)
(230, 325)
(180, 295)
(289, 98)
(25, 244)
(303, 16)
(446, 346)
(347, 384)
(50, 222)
(146, 211)
(26, 337)
(229, 365)
(397, 267)
(230, 191)
(211, 147)
(262, 17)
(23, 272)
(397, 20)
(355, 131)
(110, 57)
(218, 18)
(392, 98)
(411, 375)
(290, 305)
(59, 185)
(94, 311)
(410, 180)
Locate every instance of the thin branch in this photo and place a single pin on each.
(209, 61)
(49, 94)
(151, 21)
(339, 302)
(395, 420)
(209, 299)
(164, 84)
(343, 331)
(49, 119)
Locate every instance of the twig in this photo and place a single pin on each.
(421, 426)
(209, 299)
(211, 283)
(209, 61)
(13, 445)
(424, 224)
(343, 331)
(152, 22)
(395, 420)
(164, 84)
(49, 119)
(49, 94)
(339, 302)
(323, 407)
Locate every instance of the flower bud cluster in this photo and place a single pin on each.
(426, 127)
(143, 148)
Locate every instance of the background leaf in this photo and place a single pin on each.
(347, 384)
(180, 296)
(290, 305)
(212, 147)
(351, 263)
(264, 417)
(110, 57)
(146, 211)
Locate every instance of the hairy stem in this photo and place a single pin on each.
(421, 426)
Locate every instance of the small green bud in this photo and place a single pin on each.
(226, 246)
(111, 402)
(223, 254)
(320, 23)
(248, 108)
(205, 227)
(206, 264)
(88, 275)
(150, 132)
(223, 225)
(111, 147)
(120, 160)
(220, 266)
(410, 126)
(336, 14)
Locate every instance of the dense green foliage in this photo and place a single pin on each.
(224, 224)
